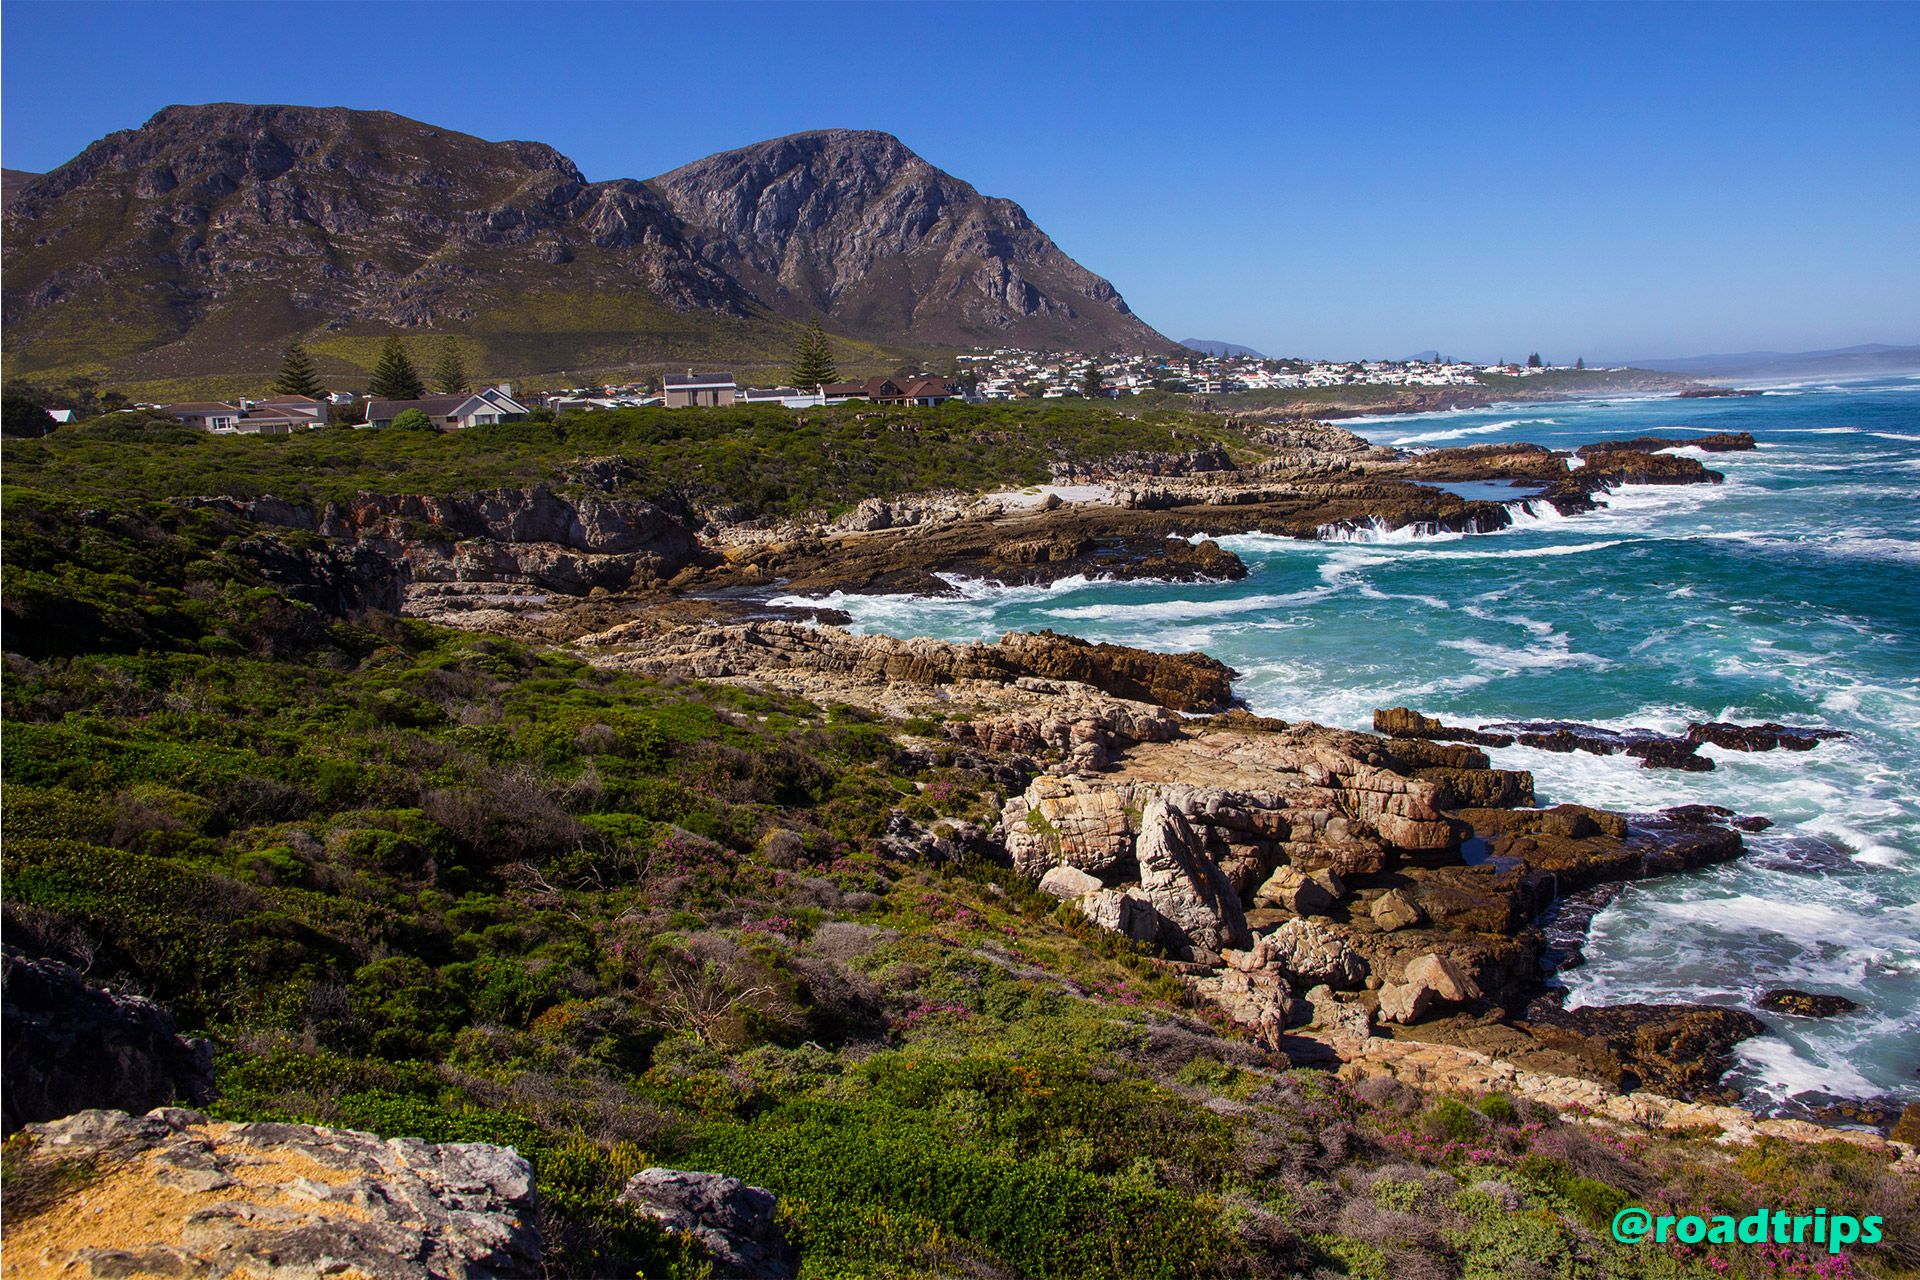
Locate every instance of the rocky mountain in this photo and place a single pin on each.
(203, 241)
(855, 228)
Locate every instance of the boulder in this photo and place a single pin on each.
(1405, 1002)
(1195, 902)
(173, 1193)
(1348, 1019)
(1395, 909)
(1329, 880)
(1759, 737)
(1074, 822)
(1127, 912)
(734, 1222)
(1068, 882)
(1404, 722)
(1311, 953)
(1443, 977)
(1292, 889)
(1806, 1004)
(1430, 981)
(70, 1045)
(1259, 1000)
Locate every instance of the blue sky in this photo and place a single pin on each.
(1607, 181)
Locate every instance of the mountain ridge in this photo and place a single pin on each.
(202, 241)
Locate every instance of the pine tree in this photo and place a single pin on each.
(394, 377)
(1533, 361)
(1580, 363)
(813, 360)
(1090, 386)
(450, 371)
(297, 376)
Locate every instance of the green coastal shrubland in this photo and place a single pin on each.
(762, 459)
(424, 882)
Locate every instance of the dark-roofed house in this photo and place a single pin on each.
(208, 415)
(280, 416)
(710, 390)
(918, 390)
(928, 391)
(465, 409)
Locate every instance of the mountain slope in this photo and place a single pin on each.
(204, 241)
(852, 225)
(217, 233)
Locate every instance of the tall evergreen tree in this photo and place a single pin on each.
(813, 360)
(1533, 361)
(297, 376)
(450, 371)
(1090, 385)
(1580, 363)
(394, 377)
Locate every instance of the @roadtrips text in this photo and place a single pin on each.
(1634, 1225)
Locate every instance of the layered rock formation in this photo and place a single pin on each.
(1399, 876)
(530, 537)
(172, 1193)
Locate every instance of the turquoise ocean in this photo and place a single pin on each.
(1789, 593)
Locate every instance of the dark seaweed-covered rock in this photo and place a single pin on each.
(1654, 750)
(1759, 737)
(1678, 1050)
(1720, 442)
(1806, 1004)
(1402, 722)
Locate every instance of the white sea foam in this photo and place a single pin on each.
(1783, 1071)
(1160, 610)
(1546, 653)
(1378, 530)
(1483, 429)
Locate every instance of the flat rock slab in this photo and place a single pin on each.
(175, 1193)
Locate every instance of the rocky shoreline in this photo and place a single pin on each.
(1384, 899)
(1343, 896)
